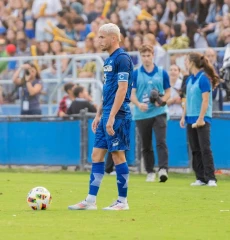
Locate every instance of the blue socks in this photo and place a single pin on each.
(96, 176)
(122, 181)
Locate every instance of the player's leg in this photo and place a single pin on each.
(159, 126)
(197, 163)
(145, 132)
(117, 145)
(207, 157)
(97, 171)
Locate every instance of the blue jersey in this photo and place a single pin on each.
(117, 68)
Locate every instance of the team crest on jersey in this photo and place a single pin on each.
(108, 68)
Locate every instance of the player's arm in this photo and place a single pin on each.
(97, 118)
(182, 121)
(166, 86)
(119, 97)
(124, 66)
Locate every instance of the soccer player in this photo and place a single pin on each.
(198, 116)
(113, 126)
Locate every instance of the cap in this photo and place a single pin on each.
(10, 48)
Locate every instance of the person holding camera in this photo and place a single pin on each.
(31, 87)
(151, 90)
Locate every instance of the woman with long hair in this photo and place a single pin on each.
(154, 28)
(198, 116)
(31, 89)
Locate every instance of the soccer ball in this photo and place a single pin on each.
(39, 198)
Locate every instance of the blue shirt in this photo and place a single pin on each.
(118, 67)
(84, 33)
(166, 82)
(204, 86)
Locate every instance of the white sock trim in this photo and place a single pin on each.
(122, 199)
(91, 198)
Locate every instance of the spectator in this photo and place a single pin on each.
(218, 93)
(44, 50)
(82, 29)
(114, 18)
(203, 9)
(11, 37)
(154, 28)
(173, 13)
(31, 88)
(174, 102)
(196, 38)
(81, 101)
(43, 11)
(66, 100)
(22, 48)
(178, 41)
(127, 13)
(3, 64)
(159, 52)
(11, 51)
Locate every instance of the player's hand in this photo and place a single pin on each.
(182, 121)
(143, 107)
(109, 126)
(198, 123)
(95, 123)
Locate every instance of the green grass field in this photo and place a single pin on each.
(171, 210)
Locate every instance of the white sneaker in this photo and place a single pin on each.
(113, 173)
(163, 175)
(116, 206)
(150, 177)
(198, 183)
(83, 206)
(212, 183)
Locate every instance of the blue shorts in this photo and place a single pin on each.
(120, 141)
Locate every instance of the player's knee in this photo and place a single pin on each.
(97, 157)
(118, 157)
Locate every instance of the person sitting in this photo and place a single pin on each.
(82, 101)
(66, 100)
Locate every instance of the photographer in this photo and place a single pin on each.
(31, 87)
(151, 91)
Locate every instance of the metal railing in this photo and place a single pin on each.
(69, 75)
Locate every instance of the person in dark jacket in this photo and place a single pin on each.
(81, 101)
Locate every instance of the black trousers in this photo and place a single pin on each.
(109, 164)
(202, 158)
(158, 124)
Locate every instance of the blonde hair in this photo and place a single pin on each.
(111, 28)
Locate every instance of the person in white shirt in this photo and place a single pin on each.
(43, 11)
(127, 13)
(174, 102)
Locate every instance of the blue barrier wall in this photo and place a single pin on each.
(40, 143)
(58, 143)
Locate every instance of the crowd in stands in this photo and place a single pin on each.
(63, 27)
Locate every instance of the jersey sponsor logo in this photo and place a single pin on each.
(108, 68)
(115, 142)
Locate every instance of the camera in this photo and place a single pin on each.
(27, 72)
(155, 96)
